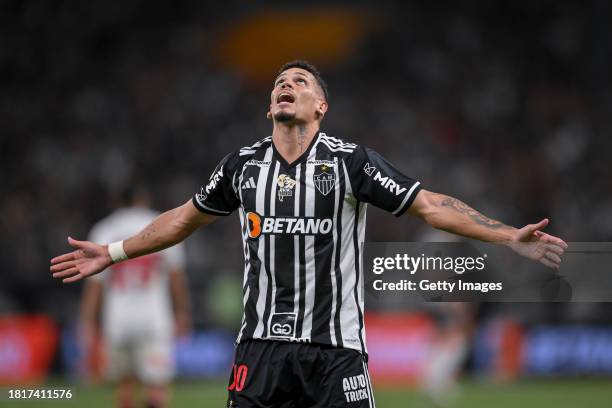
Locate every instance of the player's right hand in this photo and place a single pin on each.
(86, 260)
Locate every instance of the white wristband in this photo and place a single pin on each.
(116, 252)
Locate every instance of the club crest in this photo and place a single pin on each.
(325, 180)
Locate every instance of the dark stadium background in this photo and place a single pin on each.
(505, 105)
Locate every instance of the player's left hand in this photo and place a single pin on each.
(532, 243)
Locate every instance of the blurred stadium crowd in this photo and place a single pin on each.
(505, 106)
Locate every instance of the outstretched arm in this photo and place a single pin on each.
(452, 215)
(168, 229)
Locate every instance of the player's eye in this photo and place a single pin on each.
(301, 81)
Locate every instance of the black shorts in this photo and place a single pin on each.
(274, 374)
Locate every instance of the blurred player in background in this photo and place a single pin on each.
(144, 304)
(302, 197)
(449, 350)
(455, 324)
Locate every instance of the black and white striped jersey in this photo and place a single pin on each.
(302, 227)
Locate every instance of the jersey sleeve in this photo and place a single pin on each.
(219, 196)
(376, 181)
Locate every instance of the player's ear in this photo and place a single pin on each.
(269, 115)
(321, 109)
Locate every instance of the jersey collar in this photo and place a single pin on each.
(302, 157)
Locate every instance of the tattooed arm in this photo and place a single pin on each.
(452, 215)
(168, 229)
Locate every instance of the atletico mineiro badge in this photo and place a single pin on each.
(324, 180)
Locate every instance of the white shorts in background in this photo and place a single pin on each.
(149, 359)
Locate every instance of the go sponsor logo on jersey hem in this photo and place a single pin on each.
(282, 325)
(259, 225)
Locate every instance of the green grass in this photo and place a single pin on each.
(585, 393)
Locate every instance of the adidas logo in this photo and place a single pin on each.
(249, 184)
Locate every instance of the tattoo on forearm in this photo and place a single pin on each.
(477, 217)
(148, 231)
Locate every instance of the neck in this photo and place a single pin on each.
(291, 140)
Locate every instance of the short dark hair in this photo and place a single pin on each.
(307, 66)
